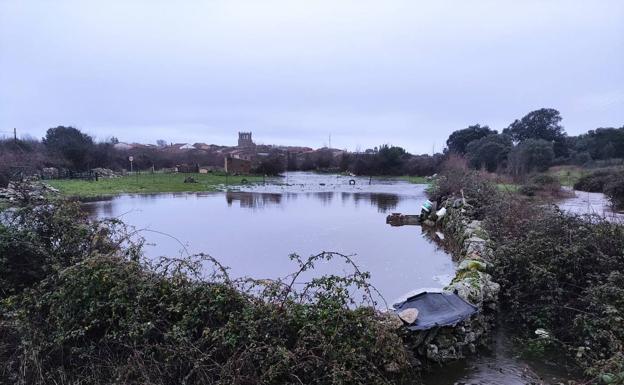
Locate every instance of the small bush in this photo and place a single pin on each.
(614, 190)
(595, 181)
(529, 189)
(541, 184)
(456, 180)
(544, 180)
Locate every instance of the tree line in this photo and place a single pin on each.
(530, 144)
(534, 143)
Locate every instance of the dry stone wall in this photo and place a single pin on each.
(471, 282)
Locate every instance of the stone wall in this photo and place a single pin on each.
(471, 282)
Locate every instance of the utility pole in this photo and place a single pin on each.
(330, 141)
(15, 134)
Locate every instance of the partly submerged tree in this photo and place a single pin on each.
(459, 140)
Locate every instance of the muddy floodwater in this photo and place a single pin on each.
(255, 229)
(591, 203)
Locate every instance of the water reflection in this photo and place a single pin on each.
(383, 202)
(251, 200)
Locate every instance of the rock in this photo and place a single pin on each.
(409, 316)
(392, 367)
(445, 340)
(105, 172)
(476, 245)
(432, 352)
(473, 265)
(189, 179)
(474, 225)
(470, 337)
(542, 333)
(28, 190)
(52, 189)
(50, 172)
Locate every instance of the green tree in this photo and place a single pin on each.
(540, 124)
(601, 143)
(489, 152)
(531, 155)
(458, 140)
(271, 165)
(71, 144)
(391, 159)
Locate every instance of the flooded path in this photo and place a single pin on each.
(501, 365)
(590, 203)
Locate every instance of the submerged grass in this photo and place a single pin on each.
(148, 183)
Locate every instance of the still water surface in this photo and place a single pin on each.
(255, 230)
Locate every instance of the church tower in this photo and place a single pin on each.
(244, 139)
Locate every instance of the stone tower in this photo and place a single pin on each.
(244, 139)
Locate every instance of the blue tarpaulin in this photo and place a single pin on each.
(437, 309)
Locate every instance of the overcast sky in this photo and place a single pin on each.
(294, 72)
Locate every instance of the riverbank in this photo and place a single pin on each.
(145, 183)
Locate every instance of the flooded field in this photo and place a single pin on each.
(253, 231)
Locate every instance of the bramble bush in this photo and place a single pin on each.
(79, 305)
(560, 272)
(594, 181)
(614, 190)
(543, 185)
(457, 180)
(563, 273)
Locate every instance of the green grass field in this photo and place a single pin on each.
(568, 175)
(147, 183)
(410, 179)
